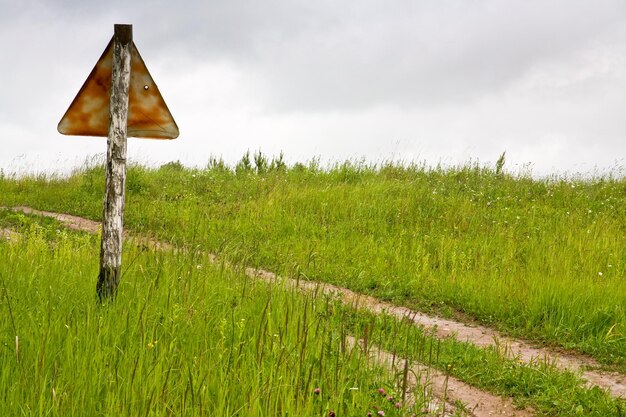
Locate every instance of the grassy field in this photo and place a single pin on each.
(184, 337)
(542, 259)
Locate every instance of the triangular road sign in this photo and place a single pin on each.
(148, 115)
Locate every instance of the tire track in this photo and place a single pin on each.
(448, 390)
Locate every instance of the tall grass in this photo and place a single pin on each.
(183, 338)
(543, 259)
(186, 337)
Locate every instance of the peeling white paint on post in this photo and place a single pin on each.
(113, 213)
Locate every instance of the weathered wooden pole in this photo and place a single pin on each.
(113, 213)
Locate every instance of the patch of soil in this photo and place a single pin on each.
(9, 234)
(448, 390)
(71, 222)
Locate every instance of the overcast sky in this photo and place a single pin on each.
(435, 81)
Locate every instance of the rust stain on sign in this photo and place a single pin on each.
(148, 115)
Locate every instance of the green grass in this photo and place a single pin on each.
(542, 259)
(184, 337)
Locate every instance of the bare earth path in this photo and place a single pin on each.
(448, 391)
(481, 336)
(8, 234)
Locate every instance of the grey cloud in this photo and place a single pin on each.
(426, 57)
(320, 56)
(325, 55)
(335, 78)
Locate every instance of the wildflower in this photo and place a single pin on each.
(331, 413)
(152, 345)
(381, 413)
(398, 405)
(600, 273)
(390, 399)
(317, 391)
(381, 391)
(369, 414)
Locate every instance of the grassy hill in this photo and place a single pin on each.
(542, 259)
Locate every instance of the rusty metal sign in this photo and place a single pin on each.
(148, 115)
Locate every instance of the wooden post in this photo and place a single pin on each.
(113, 213)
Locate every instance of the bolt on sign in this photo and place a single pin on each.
(119, 99)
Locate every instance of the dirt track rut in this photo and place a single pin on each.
(448, 391)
